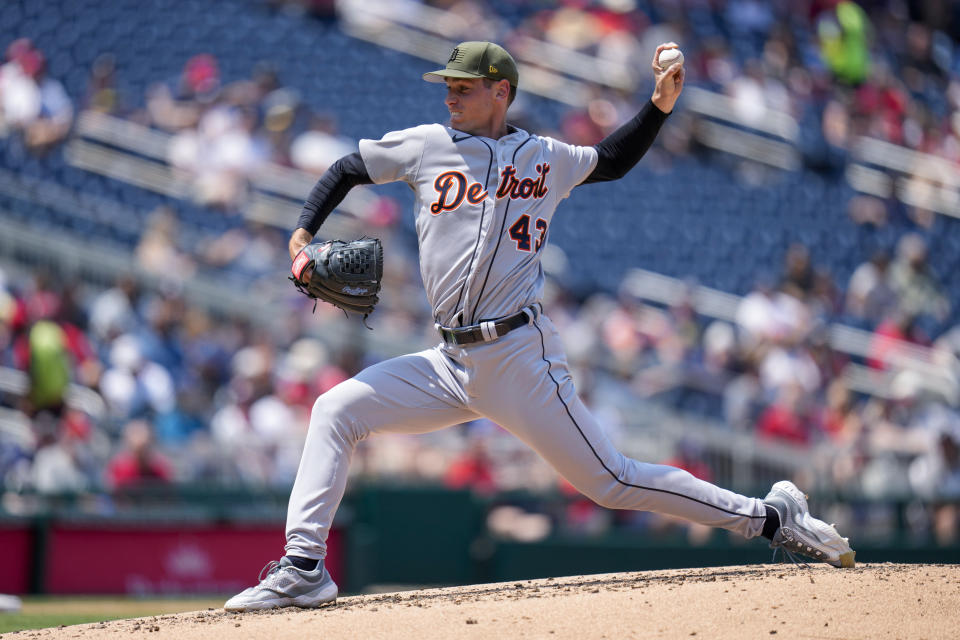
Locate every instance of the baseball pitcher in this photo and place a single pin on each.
(485, 194)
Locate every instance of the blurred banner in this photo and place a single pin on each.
(165, 559)
(16, 546)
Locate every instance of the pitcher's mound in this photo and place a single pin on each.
(783, 601)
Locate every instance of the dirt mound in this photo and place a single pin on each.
(870, 601)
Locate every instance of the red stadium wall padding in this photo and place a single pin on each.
(16, 550)
(156, 559)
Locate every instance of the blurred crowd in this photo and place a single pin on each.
(189, 396)
(887, 69)
(194, 398)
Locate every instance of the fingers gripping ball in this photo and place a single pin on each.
(345, 274)
(669, 57)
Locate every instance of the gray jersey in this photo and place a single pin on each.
(483, 211)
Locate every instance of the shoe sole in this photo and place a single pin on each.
(325, 595)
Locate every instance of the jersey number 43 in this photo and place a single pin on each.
(520, 233)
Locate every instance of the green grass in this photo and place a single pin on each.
(20, 621)
(41, 612)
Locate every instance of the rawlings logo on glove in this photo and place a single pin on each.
(345, 274)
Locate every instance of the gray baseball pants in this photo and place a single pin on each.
(520, 381)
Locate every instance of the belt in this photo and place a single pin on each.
(489, 330)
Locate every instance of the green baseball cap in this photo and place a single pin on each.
(478, 60)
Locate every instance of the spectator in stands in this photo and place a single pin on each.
(765, 315)
(159, 249)
(112, 312)
(180, 105)
(840, 419)
(789, 363)
(221, 154)
(935, 476)
(754, 93)
(159, 335)
(869, 294)
(133, 386)
(786, 419)
(830, 362)
(798, 276)
(49, 342)
(19, 93)
(321, 145)
(250, 251)
(48, 369)
(624, 336)
(70, 452)
(742, 395)
(187, 418)
(262, 431)
(899, 429)
(102, 93)
(30, 101)
(472, 468)
(844, 33)
(889, 341)
(912, 280)
(55, 116)
(138, 464)
(166, 112)
(280, 109)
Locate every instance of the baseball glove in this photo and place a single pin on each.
(345, 274)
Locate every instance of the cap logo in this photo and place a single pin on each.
(493, 69)
(456, 56)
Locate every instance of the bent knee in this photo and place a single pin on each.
(340, 400)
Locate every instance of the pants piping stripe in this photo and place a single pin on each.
(600, 460)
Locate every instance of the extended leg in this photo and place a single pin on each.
(546, 414)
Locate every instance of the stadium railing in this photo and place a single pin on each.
(136, 154)
(939, 371)
(549, 70)
(102, 143)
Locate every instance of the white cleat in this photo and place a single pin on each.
(286, 586)
(800, 532)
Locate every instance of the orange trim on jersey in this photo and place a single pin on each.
(476, 193)
(507, 178)
(525, 188)
(442, 185)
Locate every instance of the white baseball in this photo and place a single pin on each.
(670, 56)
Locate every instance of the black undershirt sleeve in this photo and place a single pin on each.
(331, 189)
(622, 149)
